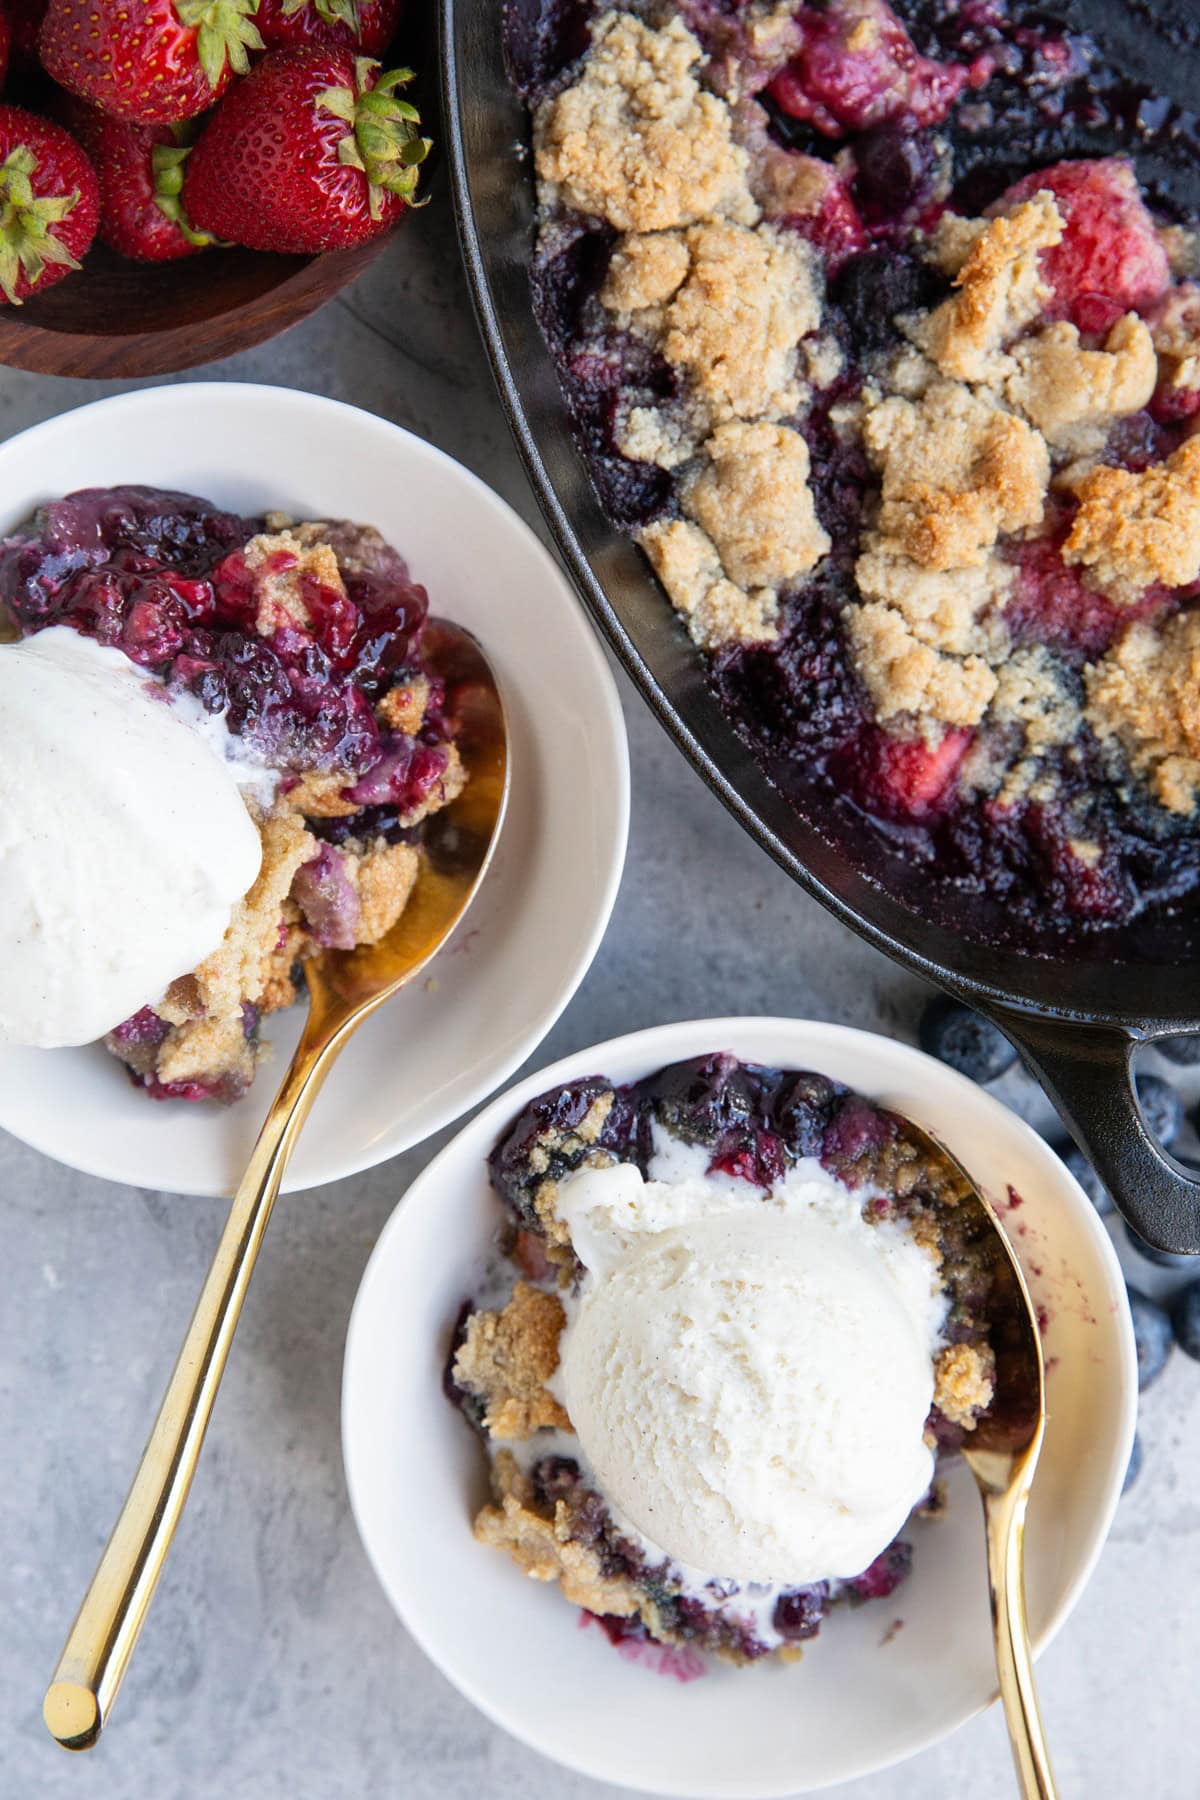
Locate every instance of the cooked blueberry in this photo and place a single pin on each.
(1184, 1050)
(1162, 1109)
(1185, 1317)
(872, 289)
(1166, 1259)
(884, 1575)
(894, 170)
(965, 1040)
(1087, 1177)
(798, 1615)
(1133, 1467)
(1152, 1335)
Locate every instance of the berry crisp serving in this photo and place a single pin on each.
(879, 348)
(299, 644)
(694, 1479)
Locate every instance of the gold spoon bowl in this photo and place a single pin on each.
(344, 988)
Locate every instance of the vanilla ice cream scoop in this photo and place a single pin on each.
(124, 840)
(750, 1382)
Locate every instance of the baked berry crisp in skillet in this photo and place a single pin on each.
(878, 349)
(302, 643)
(735, 1316)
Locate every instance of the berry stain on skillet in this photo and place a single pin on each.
(880, 330)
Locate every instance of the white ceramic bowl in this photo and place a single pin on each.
(861, 1698)
(498, 987)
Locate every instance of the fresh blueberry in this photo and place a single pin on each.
(1133, 1467)
(1166, 1259)
(1162, 1109)
(1152, 1335)
(1185, 1050)
(965, 1039)
(1086, 1176)
(1185, 1316)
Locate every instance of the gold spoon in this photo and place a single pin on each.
(344, 988)
(1002, 1454)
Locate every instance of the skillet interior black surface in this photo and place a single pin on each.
(1077, 1014)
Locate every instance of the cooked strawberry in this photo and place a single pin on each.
(313, 151)
(367, 26)
(154, 61)
(24, 22)
(1111, 259)
(140, 171)
(49, 204)
(911, 777)
(834, 226)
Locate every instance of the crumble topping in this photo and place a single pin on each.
(1000, 291)
(964, 1382)
(957, 611)
(956, 471)
(1176, 331)
(1145, 695)
(725, 304)
(506, 1359)
(635, 140)
(541, 1544)
(752, 500)
(1072, 395)
(282, 566)
(716, 610)
(1134, 530)
(905, 676)
(383, 877)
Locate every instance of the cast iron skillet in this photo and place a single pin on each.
(1076, 1018)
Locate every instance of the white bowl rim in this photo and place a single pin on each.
(167, 395)
(713, 1034)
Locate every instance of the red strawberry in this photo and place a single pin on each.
(140, 170)
(367, 26)
(1111, 259)
(911, 777)
(154, 61)
(313, 151)
(49, 204)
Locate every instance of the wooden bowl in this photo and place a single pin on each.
(121, 318)
(124, 318)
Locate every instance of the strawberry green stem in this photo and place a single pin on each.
(166, 161)
(225, 33)
(383, 141)
(334, 12)
(26, 242)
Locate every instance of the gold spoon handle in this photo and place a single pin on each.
(1004, 1514)
(100, 1643)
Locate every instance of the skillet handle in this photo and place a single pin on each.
(1087, 1072)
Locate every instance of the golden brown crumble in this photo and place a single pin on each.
(1145, 696)
(279, 592)
(716, 610)
(964, 1382)
(645, 270)
(1176, 332)
(541, 1545)
(956, 472)
(659, 435)
(635, 140)
(383, 876)
(403, 708)
(506, 1359)
(1073, 395)
(752, 500)
(1133, 530)
(907, 677)
(1000, 291)
(958, 611)
(734, 319)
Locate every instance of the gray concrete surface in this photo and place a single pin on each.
(271, 1667)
